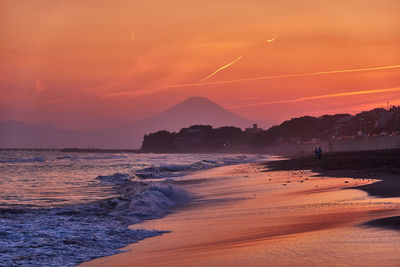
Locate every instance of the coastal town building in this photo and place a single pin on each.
(253, 129)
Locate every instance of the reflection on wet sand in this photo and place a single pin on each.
(244, 216)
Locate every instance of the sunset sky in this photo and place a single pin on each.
(96, 64)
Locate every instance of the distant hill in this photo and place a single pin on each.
(196, 138)
(194, 110)
(201, 111)
(378, 121)
(302, 130)
(20, 134)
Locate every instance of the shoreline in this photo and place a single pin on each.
(84, 204)
(383, 165)
(219, 190)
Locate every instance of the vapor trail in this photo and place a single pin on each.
(271, 40)
(319, 97)
(292, 75)
(222, 68)
(133, 33)
(142, 92)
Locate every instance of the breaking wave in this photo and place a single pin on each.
(104, 157)
(174, 170)
(68, 235)
(93, 157)
(93, 216)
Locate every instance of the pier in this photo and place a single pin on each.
(70, 150)
(30, 150)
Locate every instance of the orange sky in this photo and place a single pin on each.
(93, 64)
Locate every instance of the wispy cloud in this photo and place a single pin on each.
(317, 97)
(221, 68)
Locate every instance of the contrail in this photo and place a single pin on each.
(223, 67)
(142, 92)
(318, 97)
(291, 75)
(133, 33)
(271, 40)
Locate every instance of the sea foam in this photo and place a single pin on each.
(75, 215)
(68, 235)
(175, 170)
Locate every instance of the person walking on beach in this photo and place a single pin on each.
(319, 152)
(315, 153)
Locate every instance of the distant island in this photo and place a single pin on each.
(298, 133)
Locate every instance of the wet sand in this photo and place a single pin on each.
(383, 165)
(247, 216)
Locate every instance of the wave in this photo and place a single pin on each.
(15, 160)
(66, 157)
(93, 157)
(104, 157)
(174, 170)
(116, 178)
(71, 234)
(169, 170)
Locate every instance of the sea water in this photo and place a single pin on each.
(60, 209)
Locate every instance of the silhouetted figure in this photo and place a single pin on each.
(315, 153)
(319, 152)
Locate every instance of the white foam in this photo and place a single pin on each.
(68, 235)
(174, 170)
(158, 199)
(82, 227)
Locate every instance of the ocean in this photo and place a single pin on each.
(61, 209)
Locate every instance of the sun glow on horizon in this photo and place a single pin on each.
(99, 65)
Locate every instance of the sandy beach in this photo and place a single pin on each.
(259, 215)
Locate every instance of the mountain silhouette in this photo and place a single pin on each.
(194, 110)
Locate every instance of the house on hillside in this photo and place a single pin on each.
(254, 129)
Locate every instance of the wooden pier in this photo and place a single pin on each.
(30, 149)
(70, 150)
